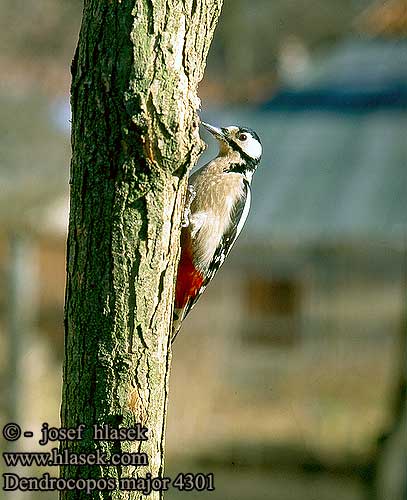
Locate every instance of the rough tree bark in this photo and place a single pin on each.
(134, 139)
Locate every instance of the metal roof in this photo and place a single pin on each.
(330, 172)
(326, 176)
(360, 76)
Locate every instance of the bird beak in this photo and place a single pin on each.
(215, 131)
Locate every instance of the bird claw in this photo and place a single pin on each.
(191, 193)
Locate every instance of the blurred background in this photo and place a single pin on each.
(289, 377)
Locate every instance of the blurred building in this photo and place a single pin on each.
(34, 177)
(301, 336)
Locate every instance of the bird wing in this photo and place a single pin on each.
(238, 217)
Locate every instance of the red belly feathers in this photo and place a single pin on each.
(189, 280)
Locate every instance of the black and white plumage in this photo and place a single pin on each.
(218, 204)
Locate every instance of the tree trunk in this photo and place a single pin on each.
(134, 139)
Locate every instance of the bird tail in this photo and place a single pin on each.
(177, 319)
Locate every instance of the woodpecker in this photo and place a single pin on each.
(217, 207)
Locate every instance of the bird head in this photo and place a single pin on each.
(242, 140)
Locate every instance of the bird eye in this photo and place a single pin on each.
(242, 137)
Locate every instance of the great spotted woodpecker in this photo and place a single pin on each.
(217, 206)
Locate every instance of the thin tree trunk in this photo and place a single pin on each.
(134, 139)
